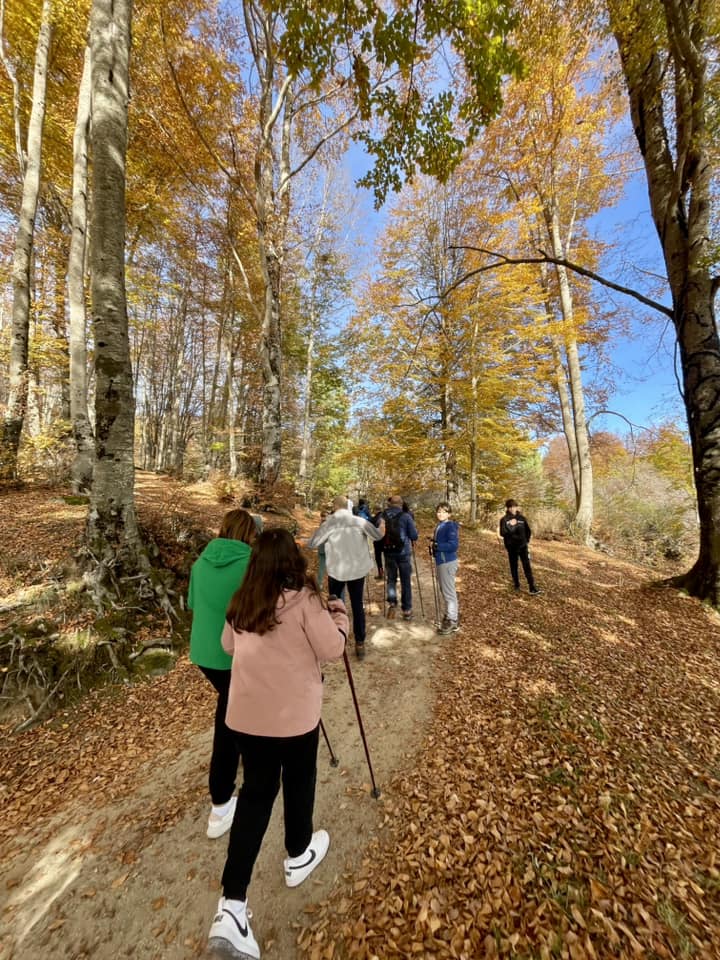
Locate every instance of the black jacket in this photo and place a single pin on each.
(515, 531)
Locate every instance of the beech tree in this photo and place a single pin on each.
(112, 532)
(82, 432)
(30, 161)
(666, 49)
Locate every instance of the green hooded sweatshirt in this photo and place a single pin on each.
(214, 578)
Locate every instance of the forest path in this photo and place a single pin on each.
(550, 778)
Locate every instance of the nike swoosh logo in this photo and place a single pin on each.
(243, 929)
(301, 866)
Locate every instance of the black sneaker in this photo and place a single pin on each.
(407, 614)
(535, 591)
(360, 651)
(447, 629)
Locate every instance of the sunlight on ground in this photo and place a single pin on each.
(582, 604)
(64, 511)
(51, 875)
(388, 637)
(528, 634)
(490, 653)
(24, 596)
(539, 687)
(626, 620)
(609, 636)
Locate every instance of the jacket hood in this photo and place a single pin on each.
(221, 552)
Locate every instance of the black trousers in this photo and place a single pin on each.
(355, 589)
(520, 553)
(266, 762)
(225, 755)
(378, 548)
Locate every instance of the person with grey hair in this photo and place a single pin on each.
(348, 559)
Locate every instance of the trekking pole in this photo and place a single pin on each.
(374, 792)
(417, 577)
(433, 575)
(333, 759)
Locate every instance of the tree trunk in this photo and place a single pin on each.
(305, 448)
(584, 496)
(112, 532)
(680, 187)
(82, 466)
(22, 259)
(233, 379)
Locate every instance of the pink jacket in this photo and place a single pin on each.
(275, 684)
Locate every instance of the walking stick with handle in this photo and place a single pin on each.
(433, 575)
(374, 792)
(417, 577)
(333, 759)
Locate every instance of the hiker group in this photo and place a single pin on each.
(262, 631)
(343, 540)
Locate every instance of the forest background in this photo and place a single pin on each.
(467, 357)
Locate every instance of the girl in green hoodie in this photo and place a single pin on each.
(214, 578)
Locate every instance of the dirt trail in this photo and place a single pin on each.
(135, 876)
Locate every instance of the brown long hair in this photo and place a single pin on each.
(276, 564)
(238, 525)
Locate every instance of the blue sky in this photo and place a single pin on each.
(642, 363)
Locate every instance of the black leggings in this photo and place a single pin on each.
(225, 755)
(266, 762)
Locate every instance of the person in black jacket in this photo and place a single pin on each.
(515, 533)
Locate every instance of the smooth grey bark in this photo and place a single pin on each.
(82, 466)
(18, 375)
(579, 442)
(112, 532)
(666, 76)
(305, 443)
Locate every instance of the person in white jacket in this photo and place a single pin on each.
(348, 559)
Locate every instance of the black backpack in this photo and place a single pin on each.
(393, 539)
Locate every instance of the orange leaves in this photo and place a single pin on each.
(553, 811)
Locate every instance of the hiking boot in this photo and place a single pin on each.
(232, 927)
(299, 868)
(447, 629)
(219, 824)
(535, 591)
(360, 651)
(407, 614)
(391, 611)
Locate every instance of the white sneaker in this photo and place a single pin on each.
(299, 868)
(217, 826)
(233, 929)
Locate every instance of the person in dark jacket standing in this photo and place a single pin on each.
(398, 556)
(445, 544)
(215, 576)
(515, 533)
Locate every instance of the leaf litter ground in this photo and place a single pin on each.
(550, 776)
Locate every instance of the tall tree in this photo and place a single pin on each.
(31, 166)
(112, 532)
(82, 432)
(666, 48)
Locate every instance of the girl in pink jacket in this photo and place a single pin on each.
(279, 633)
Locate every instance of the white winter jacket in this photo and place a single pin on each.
(346, 537)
